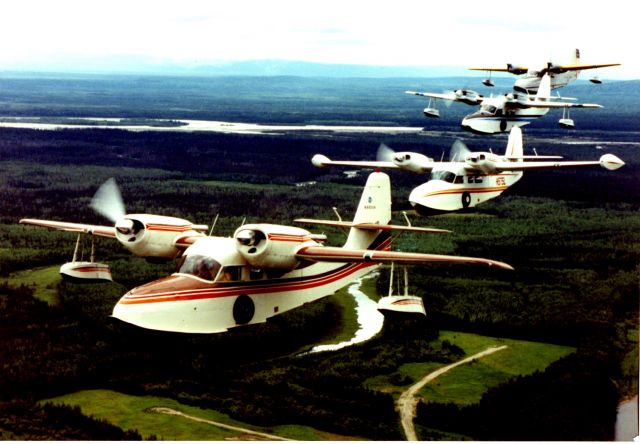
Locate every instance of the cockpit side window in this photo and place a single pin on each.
(204, 267)
(230, 273)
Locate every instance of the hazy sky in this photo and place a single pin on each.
(392, 32)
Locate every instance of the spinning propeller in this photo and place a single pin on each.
(385, 154)
(458, 152)
(108, 202)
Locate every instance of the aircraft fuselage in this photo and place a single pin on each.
(447, 191)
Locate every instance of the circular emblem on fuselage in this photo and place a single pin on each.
(466, 199)
(243, 309)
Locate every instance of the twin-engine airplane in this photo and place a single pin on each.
(469, 178)
(501, 113)
(262, 271)
(561, 75)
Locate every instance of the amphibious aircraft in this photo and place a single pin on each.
(501, 113)
(561, 75)
(468, 178)
(263, 270)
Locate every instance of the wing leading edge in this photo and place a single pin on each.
(368, 226)
(337, 254)
(98, 230)
(607, 161)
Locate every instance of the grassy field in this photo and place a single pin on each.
(43, 280)
(467, 383)
(135, 413)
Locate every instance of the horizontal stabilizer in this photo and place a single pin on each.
(368, 226)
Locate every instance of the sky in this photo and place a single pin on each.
(38, 34)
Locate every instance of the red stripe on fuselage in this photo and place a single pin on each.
(218, 290)
(468, 190)
(90, 269)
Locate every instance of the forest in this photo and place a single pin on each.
(572, 236)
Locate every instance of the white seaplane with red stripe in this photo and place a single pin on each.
(498, 114)
(262, 271)
(469, 178)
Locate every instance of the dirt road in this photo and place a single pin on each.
(408, 402)
(168, 411)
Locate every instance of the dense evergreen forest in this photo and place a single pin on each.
(573, 237)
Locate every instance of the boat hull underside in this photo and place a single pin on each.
(220, 308)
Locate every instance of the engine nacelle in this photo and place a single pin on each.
(516, 69)
(468, 96)
(414, 162)
(151, 236)
(484, 162)
(272, 246)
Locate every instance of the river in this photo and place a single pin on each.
(627, 421)
(370, 319)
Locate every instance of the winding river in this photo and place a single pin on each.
(627, 421)
(370, 319)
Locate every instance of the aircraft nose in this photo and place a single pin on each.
(418, 194)
(419, 200)
(162, 287)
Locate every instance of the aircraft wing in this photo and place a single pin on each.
(320, 161)
(337, 254)
(451, 96)
(564, 68)
(366, 226)
(516, 70)
(503, 69)
(443, 96)
(554, 104)
(607, 161)
(98, 230)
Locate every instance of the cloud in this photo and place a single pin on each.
(403, 32)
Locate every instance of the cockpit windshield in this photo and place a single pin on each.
(204, 267)
(447, 176)
(489, 109)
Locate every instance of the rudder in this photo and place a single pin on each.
(374, 208)
(515, 147)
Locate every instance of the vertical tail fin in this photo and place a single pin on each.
(576, 62)
(374, 207)
(515, 148)
(576, 57)
(544, 90)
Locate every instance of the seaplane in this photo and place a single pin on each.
(468, 178)
(262, 271)
(498, 114)
(561, 75)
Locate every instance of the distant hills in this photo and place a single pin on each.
(142, 65)
(137, 65)
(310, 69)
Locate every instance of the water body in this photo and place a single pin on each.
(627, 421)
(369, 319)
(214, 126)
